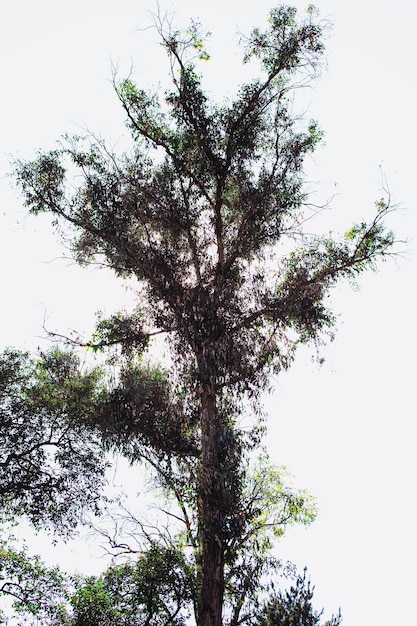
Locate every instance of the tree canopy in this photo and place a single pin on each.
(51, 469)
(205, 214)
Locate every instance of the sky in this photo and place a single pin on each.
(345, 428)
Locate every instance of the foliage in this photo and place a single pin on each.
(145, 415)
(269, 504)
(156, 588)
(35, 590)
(120, 329)
(205, 214)
(153, 590)
(51, 467)
(293, 607)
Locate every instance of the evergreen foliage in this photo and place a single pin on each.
(293, 607)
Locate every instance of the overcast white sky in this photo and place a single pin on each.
(346, 429)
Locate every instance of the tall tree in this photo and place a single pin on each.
(198, 213)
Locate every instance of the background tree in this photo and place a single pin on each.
(207, 214)
(51, 468)
(156, 588)
(36, 592)
(293, 607)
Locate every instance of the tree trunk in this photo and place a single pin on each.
(210, 513)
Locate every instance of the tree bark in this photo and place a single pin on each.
(210, 513)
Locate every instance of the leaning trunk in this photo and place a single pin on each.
(210, 514)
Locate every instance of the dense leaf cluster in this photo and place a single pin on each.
(141, 415)
(51, 467)
(156, 589)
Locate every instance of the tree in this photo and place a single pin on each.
(51, 469)
(100, 601)
(35, 590)
(293, 607)
(157, 588)
(53, 405)
(206, 214)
